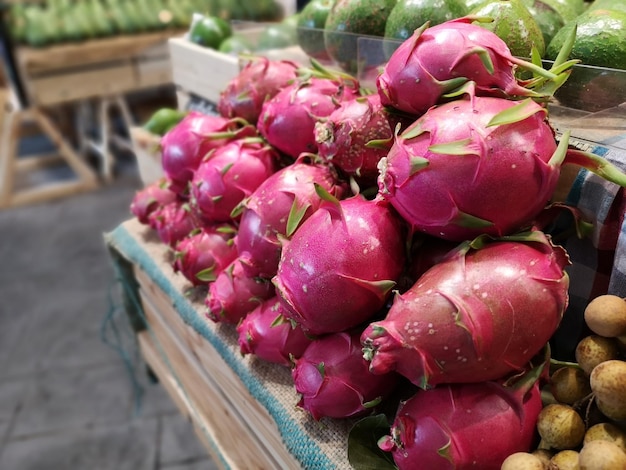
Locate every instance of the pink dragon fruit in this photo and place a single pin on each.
(288, 120)
(257, 82)
(333, 381)
(339, 267)
(267, 334)
(465, 426)
(228, 175)
(152, 197)
(345, 138)
(478, 165)
(234, 294)
(205, 253)
(187, 143)
(173, 222)
(483, 311)
(437, 60)
(276, 208)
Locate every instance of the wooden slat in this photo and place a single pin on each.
(36, 61)
(212, 409)
(200, 70)
(254, 414)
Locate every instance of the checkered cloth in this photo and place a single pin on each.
(599, 262)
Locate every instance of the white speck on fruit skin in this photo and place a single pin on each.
(483, 295)
(513, 166)
(533, 262)
(476, 286)
(305, 289)
(431, 331)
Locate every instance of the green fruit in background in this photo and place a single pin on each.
(209, 31)
(236, 44)
(310, 28)
(568, 9)
(513, 23)
(408, 15)
(619, 5)
(600, 39)
(163, 120)
(17, 22)
(548, 19)
(349, 19)
(276, 36)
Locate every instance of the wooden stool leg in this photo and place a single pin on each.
(9, 136)
(67, 152)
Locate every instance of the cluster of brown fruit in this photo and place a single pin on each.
(583, 423)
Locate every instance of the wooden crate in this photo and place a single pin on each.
(204, 72)
(93, 68)
(243, 409)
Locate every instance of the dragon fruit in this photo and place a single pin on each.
(339, 267)
(465, 426)
(150, 198)
(478, 165)
(267, 334)
(343, 138)
(438, 60)
(186, 144)
(483, 311)
(276, 208)
(173, 222)
(233, 294)
(202, 255)
(288, 120)
(333, 381)
(257, 82)
(228, 175)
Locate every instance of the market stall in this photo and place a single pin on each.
(467, 290)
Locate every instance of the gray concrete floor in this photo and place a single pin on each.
(67, 399)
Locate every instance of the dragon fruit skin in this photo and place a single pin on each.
(464, 426)
(173, 222)
(187, 143)
(267, 334)
(233, 294)
(288, 120)
(228, 175)
(257, 82)
(339, 267)
(436, 60)
(483, 311)
(454, 176)
(150, 198)
(333, 381)
(201, 256)
(264, 219)
(342, 138)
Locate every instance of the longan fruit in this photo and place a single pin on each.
(594, 349)
(601, 455)
(522, 461)
(606, 315)
(560, 427)
(569, 385)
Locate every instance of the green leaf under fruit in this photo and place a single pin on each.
(363, 450)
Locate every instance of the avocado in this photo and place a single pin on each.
(568, 9)
(548, 19)
(310, 28)
(276, 36)
(600, 39)
(236, 44)
(513, 23)
(408, 15)
(607, 5)
(349, 19)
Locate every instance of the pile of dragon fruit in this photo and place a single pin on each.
(387, 239)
